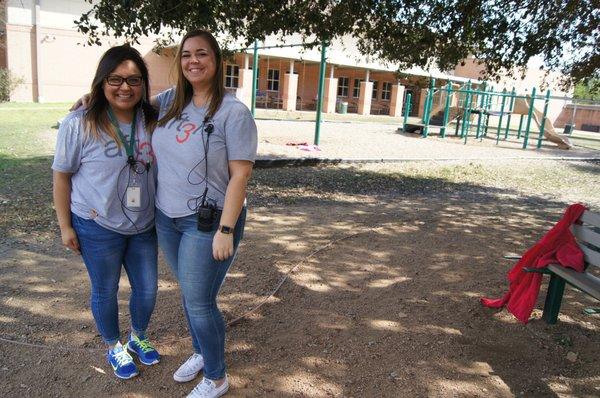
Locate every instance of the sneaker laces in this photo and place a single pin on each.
(189, 364)
(205, 387)
(122, 357)
(144, 344)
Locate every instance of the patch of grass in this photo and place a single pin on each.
(28, 130)
(588, 140)
(35, 106)
(557, 180)
(566, 181)
(27, 139)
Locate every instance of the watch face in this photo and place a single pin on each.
(226, 230)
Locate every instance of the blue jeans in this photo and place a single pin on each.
(104, 252)
(189, 253)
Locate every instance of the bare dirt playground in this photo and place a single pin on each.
(388, 262)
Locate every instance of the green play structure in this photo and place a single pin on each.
(481, 111)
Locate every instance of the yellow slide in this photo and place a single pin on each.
(521, 107)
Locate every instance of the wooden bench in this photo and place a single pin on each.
(380, 109)
(587, 233)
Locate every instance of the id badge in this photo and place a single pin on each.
(134, 197)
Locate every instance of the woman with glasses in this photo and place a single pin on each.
(104, 190)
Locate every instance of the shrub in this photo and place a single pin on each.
(8, 83)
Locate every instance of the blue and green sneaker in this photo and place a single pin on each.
(121, 362)
(140, 346)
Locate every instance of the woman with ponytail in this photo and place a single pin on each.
(205, 144)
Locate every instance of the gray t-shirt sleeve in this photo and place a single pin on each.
(164, 100)
(67, 157)
(241, 136)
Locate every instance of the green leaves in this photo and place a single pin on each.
(505, 34)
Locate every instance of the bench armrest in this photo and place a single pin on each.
(511, 257)
(538, 270)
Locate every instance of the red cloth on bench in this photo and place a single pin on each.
(558, 246)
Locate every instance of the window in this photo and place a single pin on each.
(386, 91)
(232, 73)
(273, 80)
(356, 88)
(374, 95)
(343, 86)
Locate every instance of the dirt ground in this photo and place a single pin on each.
(380, 269)
(382, 300)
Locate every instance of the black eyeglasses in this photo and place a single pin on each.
(114, 80)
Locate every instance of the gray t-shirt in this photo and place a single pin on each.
(180, 145)
(101, 175)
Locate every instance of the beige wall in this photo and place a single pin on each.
(19, 43)
(534, 77)
(585, 114)
(471, 69)
(67, 66)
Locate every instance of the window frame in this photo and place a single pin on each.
(235, 77)
(386, 95)
(343, 88)
(374, 91)
(356, 88)
(272, 82)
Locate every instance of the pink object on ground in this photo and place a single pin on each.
(309, 148)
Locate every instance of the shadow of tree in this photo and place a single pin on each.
(389, 309)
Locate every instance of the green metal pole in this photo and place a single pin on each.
(501, 116)
(510, 110)
(488, 105)
(466, 110)
(461, 99)
(446, 109)
(464, 132)
(407, 106)
(425, 111)
(427, 115)
(543, 123)
(529, 117)
(468, 127)
(425, 105)
(321, 89)
(481, 107)
(520, 127)
(254, 77)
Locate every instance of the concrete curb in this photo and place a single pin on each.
(265, 163)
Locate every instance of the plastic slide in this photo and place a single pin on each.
(521, 107)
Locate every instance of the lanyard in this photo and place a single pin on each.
(128, 148)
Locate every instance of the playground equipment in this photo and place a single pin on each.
(475, 108)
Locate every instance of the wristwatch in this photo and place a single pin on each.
(225, 229)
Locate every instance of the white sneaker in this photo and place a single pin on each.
(208, 389)
(190, 368)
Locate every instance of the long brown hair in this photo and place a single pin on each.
(97, 121)
(183, 88)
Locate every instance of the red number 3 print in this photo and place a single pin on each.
(182, 136)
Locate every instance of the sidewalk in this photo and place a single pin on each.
(379, 141)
